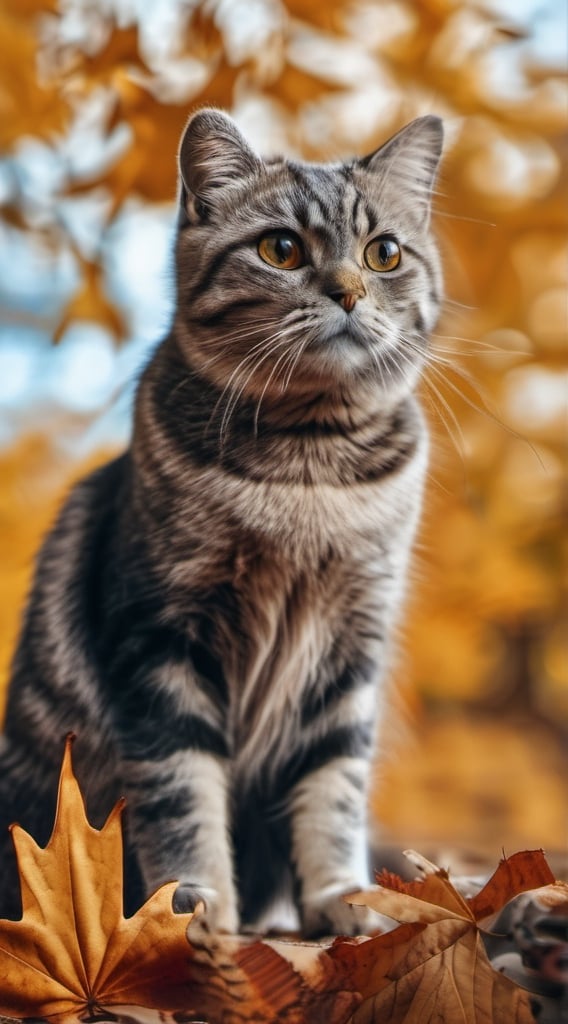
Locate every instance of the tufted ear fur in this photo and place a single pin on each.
(212, 155)
(411, 157)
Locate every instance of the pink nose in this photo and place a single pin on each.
(347, 299)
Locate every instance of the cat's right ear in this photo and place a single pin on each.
(212, 155)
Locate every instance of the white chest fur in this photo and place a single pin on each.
(304, 522)
(324, 554)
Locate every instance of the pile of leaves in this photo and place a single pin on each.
(74, 955)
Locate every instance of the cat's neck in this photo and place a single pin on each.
(186, 426)
(184, 392)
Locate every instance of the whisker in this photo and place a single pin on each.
(476, 345)
(443, 404)
(459, 216)
(294, 362)
(455, 304)
(283, 357)
(280, 338)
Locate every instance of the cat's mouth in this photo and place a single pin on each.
(346, 338)
(351, 336)
(349, 329)
(341, 352)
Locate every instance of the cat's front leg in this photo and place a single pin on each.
(174, 765)
(178, 814)
(330, 848)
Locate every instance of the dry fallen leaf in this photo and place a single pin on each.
(516, 874)
(73, 951)
(435, 967)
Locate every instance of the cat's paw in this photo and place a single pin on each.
(332, 915)
(218, 914)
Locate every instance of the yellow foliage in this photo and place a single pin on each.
(90, 302)
(475, 784)
(27, 105)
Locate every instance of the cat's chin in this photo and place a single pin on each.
(344, 360)
(341, 354)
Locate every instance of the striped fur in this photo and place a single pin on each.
(212, 611)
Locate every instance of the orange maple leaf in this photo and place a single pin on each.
(516, 874)
(435, 967)
(73, 950)
(90, 302)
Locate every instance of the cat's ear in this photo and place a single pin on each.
(212, 155)
(411, 158)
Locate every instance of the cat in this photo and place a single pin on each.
(212, 613)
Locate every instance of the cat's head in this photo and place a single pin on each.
(294, 277)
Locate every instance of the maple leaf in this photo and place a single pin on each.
(73, 950)
(91, 303)
(516, 874)
(435, 967)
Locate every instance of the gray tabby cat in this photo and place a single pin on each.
(211, 613)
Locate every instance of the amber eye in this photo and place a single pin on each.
(383, 254)
(281, 250)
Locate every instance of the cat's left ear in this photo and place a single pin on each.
(410, 158)
(212, 155)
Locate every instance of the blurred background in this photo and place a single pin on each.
(93, 97)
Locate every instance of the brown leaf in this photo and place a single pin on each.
(276, 982)
(431, 899)
(435, 966)
(445, 976)
(90, 302)
(236, 979)
(121, 49)
(516, 874)
(73, 950)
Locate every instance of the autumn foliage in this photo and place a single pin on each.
(74, 953)
(73, 950)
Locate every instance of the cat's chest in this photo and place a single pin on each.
(290, 576)
(304, 522)
(288, 632)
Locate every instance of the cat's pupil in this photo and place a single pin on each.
(385, 252)
(283, 249)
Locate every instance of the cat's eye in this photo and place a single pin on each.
(281, 249)
(383, 254)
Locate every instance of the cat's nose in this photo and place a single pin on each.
(344, 284)
(347, 299)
